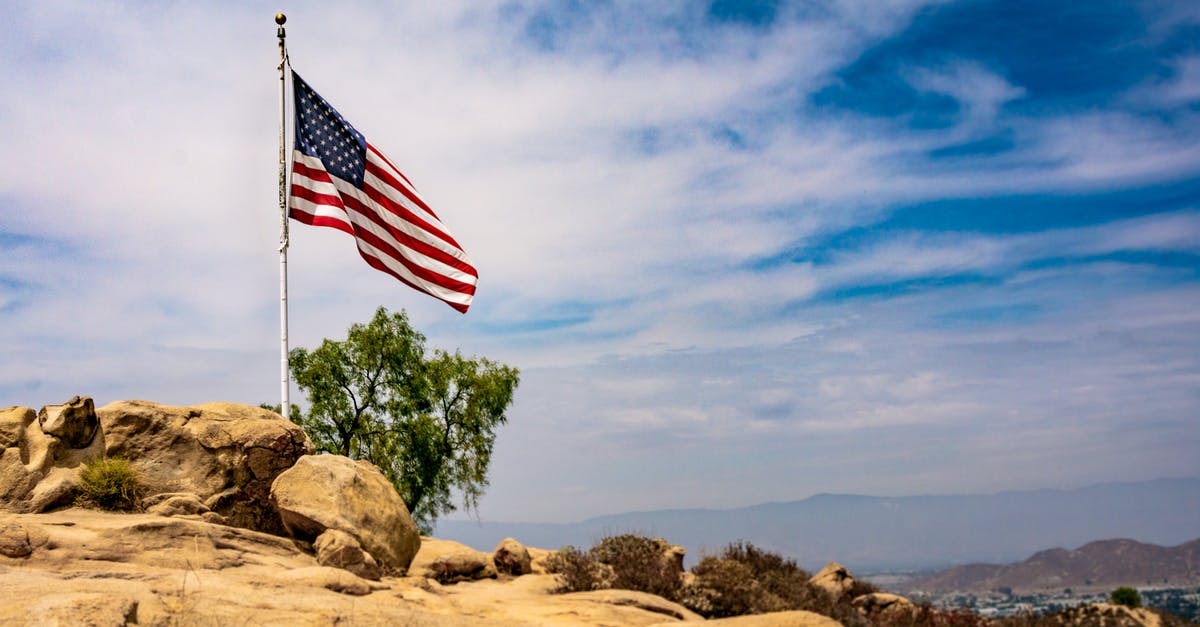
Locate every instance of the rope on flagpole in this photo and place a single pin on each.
(285, 382)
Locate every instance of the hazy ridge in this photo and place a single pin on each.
(1103, 564)
(869, 533)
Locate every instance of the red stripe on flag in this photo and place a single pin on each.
(312, 173)
(379, 265)
(399, 209)
(317, 198)
(390, 247)
(315, 220)
(424, 248)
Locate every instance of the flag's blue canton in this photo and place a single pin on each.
(323, 133)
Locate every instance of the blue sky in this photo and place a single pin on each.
(740, 251)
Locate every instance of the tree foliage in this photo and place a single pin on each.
(428, 420)
(1126, 596)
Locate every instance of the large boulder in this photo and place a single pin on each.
(227, 454)
(884, 607)
(512, 558)
(338, 549)
(14, 540)
(833, 579)
(74, 422)
(463, 565)
(39, 470)
(323, 492)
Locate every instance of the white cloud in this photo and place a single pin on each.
(979, 91)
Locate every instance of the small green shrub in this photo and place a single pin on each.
(578, 571)
(110, 483)
(1126, 596)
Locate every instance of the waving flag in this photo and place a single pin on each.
(341, 181)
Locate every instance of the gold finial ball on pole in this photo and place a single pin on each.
(280, 18)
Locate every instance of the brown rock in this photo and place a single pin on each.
(833, 579)
(74, 422)
(33, 458)
(334, 579)
(13, 421)
(334, 492)
(641, 600)
(14, 540)
(56, 489)
(339, 549)
(227, 454)
(539, 559)
(463, 565)
(512, 558)
(175, 504)
(89, 567)
(16, 481)
(86, 609)
(884, 606)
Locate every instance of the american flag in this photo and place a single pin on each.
(341, 181)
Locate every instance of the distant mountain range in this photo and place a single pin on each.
(873, 534)
(1105, 563)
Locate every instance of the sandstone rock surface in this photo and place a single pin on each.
(175, 504)
(339, 549)
(833, 579)
(74, 422)
(39, 471)
(512, 558)
(14, 540)
(884, 606)
(91, 567)
(323, 492)
(463, 565)
(227, 454)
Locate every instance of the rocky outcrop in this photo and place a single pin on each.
(14, 540)
(175, 504)
(227, 454)
(885, 608)
(833, 579)
(512, 558)
(74, 422)
(39, 470)
(462, 565)
(90, 567)
(640, 600)
(322, 492)
(217, 460)
(339, 549)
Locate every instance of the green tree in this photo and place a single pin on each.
(428, 421)
(1126, 596)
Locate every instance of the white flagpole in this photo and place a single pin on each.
(284, 383)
